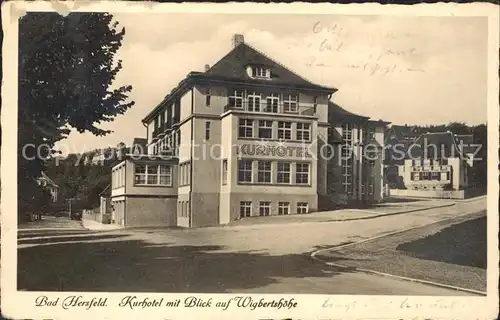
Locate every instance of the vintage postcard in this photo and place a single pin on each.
(249, 161)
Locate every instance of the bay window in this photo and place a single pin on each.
(156, 175)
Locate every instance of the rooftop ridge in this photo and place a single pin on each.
(282, 65)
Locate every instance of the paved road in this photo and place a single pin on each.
(252, 258)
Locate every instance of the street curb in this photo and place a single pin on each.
(436, 284)
(472, 199)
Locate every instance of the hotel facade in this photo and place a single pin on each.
(247, 137)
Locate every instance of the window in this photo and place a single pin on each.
(283, 208)
(283, 172)
(302, 173)
(264, 208)
(425, 176)
(254, 102)
(346, 158)
(265, 129)
(140, 174)
(236, 99)
(371, 184)
(261, 72)
(272, 103)
(415, 176)
(347, 132)
(435, 175)
(153, 175)
(315, 104)
(224, 171)
(180, 176)
(246, 128)
(245, 209)
(244, 171)
(264, 172)
(208, 97)
(284, 130)
(290, 103)
(184, 173)
(369, 134)
(303, 131)
(207, 130)
(302, 207)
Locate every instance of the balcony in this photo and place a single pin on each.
(272, 107)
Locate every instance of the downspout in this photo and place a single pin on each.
(147, 134)
(191, 160)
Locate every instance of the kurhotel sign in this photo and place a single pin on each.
(273, 151)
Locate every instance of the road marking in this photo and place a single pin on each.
(315, 253)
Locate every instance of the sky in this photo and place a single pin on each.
(406, 70)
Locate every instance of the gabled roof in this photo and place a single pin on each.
(338, 114)
(435, 145)
(234, 66)
(402, 132)
(139, 143)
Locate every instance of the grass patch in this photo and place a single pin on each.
(461, 244)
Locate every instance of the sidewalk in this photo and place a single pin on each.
(338, 215)
(97, 226)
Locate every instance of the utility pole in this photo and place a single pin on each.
(69, 202)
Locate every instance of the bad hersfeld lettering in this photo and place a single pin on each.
(80, 302)
(71, 302)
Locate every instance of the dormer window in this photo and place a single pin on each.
(261, 72)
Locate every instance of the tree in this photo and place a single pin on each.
(480, 168)
(67, 67)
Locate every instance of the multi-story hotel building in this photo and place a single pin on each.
(244, 138)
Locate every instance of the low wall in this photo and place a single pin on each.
(440, 194)
(96, 216)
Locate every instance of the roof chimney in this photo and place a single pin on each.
(237, 40)
(207, 67)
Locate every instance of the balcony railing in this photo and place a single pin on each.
(274, 107)
(440, 168)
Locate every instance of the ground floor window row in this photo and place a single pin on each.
(265, 208)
